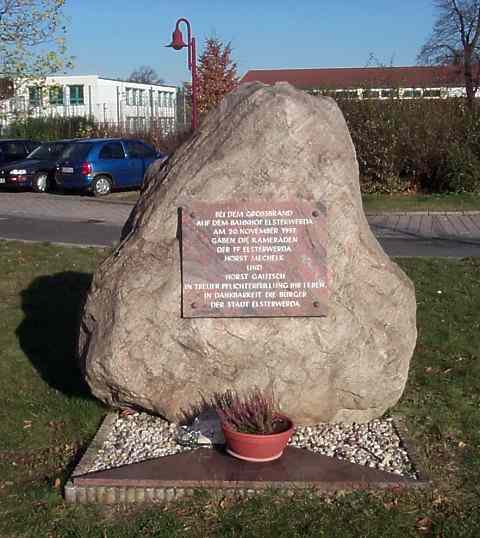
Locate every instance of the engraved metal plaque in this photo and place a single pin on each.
(254, 259)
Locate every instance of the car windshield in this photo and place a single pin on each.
(76, 152)
(48, 151)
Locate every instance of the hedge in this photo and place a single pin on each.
(428, 145)
(58, 127)
(403, 145)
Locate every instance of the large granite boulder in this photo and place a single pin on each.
(262, 142)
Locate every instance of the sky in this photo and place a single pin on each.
(113, 37)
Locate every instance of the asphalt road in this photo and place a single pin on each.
(84, 221)
(95, 234)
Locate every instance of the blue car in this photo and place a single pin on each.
(103, 164)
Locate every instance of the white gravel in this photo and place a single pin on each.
(139, 436)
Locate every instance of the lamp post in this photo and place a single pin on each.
(178, 44)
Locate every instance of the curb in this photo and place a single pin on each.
(414, 213)
(79, 198)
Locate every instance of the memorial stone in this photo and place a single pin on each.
(248, 261)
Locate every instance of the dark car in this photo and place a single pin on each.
(37, 170)
(15, 149)
(102, 164)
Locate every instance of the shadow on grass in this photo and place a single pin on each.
(48, 334)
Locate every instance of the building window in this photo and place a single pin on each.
(34, 96)
(165, 99)
(18, 104)
(76, 95)
(134, 96)
(432, 93)
(327, 93)
(346, 94)
(55, 95)
(389, 93)
(412, 93)
(371, 94)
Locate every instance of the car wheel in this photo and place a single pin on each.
(40, 182)
(101, 186)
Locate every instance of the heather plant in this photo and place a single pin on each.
(255, 412)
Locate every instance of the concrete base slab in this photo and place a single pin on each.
(170, 477)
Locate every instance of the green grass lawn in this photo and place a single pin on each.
(47, 418)
(420, 202)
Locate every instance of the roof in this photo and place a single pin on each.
(110, 79)
(155, 84)
(361, 77)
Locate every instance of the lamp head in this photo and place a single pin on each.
(177, 40)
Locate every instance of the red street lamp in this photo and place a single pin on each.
(178, 44)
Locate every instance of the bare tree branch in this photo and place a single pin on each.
(146, 75)
(455, 40)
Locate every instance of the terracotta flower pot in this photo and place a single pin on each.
(257, 447)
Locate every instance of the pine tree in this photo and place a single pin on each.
(216, 74)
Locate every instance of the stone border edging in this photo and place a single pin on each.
(86, 461)
(400, 425)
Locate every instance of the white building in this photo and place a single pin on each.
(131, 104)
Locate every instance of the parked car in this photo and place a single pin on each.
(16, 149)
(37, 171)
(100, 165)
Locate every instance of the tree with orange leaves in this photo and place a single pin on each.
(216, 74)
